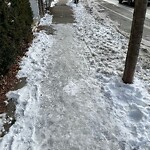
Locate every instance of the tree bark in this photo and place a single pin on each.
(135, 40)
(50, 2)
(41, 8)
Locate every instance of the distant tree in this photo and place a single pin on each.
(135, 40)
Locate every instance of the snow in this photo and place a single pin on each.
(71, 88)
(74, 98)
(9, 4)
(2, 121)
(54, 2)
(46, 20)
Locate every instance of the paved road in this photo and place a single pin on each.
(122, 14)
(125, 6)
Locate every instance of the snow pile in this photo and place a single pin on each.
(35, 58)
(105, 44)
(46, 20)
(130, 104)
(131, 110)
(2, 122)
(33, 68)
(54, 2)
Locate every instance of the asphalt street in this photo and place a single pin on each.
(122, 15)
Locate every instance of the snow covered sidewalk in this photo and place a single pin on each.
(74, 98)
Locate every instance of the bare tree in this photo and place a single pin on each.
(135, 40)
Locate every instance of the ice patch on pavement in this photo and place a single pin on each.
(71, 88)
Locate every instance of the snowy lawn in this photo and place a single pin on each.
(74, 98)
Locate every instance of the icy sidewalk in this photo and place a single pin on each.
(69, 118)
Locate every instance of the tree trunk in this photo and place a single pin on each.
(135, 40)
(46, 4)
(41, 8)
(50, 3)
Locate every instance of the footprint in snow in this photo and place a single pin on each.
(135, 114)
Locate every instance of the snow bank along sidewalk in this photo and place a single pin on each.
(74, 98)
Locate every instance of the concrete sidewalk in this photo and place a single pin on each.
(62, 13)
(68, 95)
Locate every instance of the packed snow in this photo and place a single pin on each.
(74, 98)
(54, 2)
